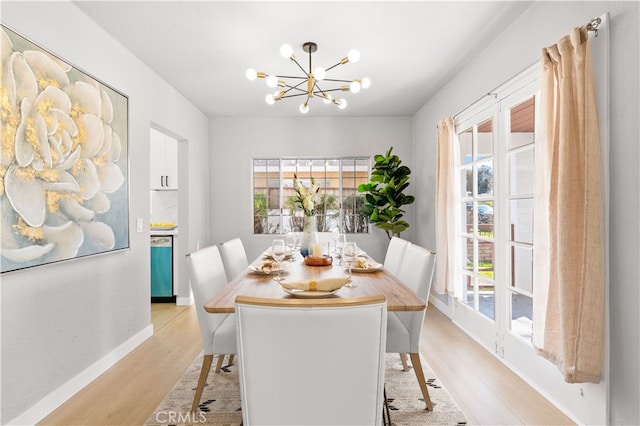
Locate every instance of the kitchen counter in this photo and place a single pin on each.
(163, 231)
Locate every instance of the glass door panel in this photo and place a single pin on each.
(520, 158)
(521, 220)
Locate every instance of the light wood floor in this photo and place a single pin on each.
(128, 393)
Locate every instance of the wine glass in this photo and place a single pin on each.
(278, 253)
(290, 240)
(298, 240)
(342, 239)
(349, 256)
(335, 236)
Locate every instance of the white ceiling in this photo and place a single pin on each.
(203, 48)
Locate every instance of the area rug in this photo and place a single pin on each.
(220, 403)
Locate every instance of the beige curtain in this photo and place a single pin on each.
(445, 208)
(568, 275)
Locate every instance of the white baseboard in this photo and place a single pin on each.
(184, 301)
(49, 403)
(440, 305)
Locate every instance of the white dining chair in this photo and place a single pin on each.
(218, 331)
(234, 258)
(311, 361)
(395, 252)
(404, 328)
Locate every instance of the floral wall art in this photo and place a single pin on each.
(63, 159)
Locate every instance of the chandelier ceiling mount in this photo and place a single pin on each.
(317, 85)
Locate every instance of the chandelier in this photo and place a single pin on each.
(313, 83)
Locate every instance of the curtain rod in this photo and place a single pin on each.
(592, 25)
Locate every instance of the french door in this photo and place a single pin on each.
(495, 154)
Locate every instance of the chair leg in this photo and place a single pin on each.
(204, 373)
(386, 414)
(231, 359)
(219, 364)
(417, 367)
(403, 358)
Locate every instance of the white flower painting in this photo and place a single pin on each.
(63, 159)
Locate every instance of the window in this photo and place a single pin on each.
(339, 203)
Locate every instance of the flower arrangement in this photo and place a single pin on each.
(305, 197)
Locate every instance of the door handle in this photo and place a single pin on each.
(166, 180)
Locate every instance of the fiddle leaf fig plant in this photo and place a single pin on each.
(384, 196)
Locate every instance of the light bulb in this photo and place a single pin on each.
(319, 73)
(304, 108)
(327, 99)
(269, 99)
(272, 81)
(342, 103)
(251, 74)
(286, 50)
(354, 56)
(365, 83)
(354, 87)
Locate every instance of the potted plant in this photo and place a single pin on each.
(384, 196)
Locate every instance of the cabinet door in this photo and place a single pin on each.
(164, 161)
(156, 167)
(170, 163)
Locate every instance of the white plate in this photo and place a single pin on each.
(288, 254)
(274, 270)
(360, 254)
(373, 268)
(309, 294)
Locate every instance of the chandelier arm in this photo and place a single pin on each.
(338, 80)
(297, 86)
(315, 84)
(295, 89)
(300, 66)
(333, 66)
(290, 76)
(332, 90)
(304, 93)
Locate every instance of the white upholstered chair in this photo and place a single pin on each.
(218, 331)
(234, 258)
(395, 253)
(404, 328)
(292, 364)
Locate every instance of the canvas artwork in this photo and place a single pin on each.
(63, 159)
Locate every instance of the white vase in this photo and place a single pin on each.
(309, 235)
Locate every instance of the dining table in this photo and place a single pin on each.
(374, 280)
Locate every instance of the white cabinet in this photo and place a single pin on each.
(164, 161)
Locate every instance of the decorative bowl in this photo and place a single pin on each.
(318, 261)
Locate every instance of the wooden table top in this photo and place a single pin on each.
(399, 296)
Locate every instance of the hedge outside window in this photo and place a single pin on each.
(339, 203)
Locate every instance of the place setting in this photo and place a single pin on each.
(274, 262)
(315, 288)
(267, 267)
(357, 261)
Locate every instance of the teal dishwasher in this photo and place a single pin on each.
(162, 269)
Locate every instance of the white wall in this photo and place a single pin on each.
(518, 47)
(63, 323)
(236, 141)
